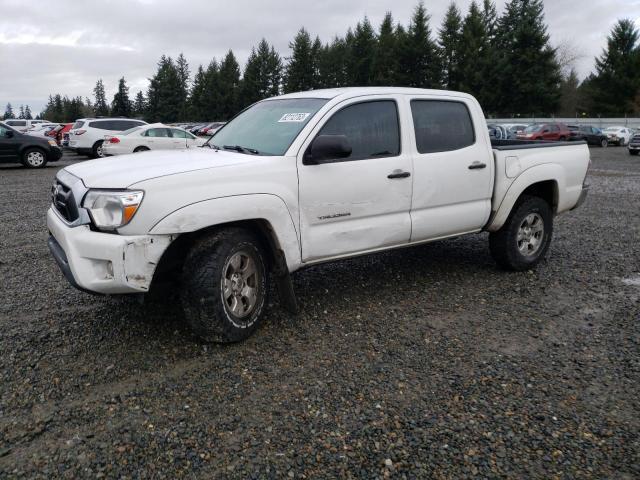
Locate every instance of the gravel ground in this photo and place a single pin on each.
(422, 362)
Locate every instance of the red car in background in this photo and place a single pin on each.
(545, 131)
(58, 132)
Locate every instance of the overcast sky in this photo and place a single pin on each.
(66, 45)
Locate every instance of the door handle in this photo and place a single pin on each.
(477, 165)
(398, 174)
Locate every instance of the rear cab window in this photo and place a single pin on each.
(442, 125)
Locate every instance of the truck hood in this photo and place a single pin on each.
(126, 170)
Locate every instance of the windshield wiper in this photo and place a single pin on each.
(241, 149)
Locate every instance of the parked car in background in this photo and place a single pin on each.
(196, 128)
(87, 134)
(545, 131)
(591, 135)
(31, 151)
(634, 144)
(618, 135)
(59, 132)
(42, 129)
(156, 136)
(210, 129)
(22, 125)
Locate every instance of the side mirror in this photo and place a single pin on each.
(327, 147)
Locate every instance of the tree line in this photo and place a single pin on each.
(505, 60)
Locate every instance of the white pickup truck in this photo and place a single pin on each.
(300, 179)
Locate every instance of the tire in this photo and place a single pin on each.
(140, 149)
(604, 143)
(621, 142)
(562, 139)
(34, 158)
(508, 251)
(96, 150)
(633, 152)
(216, 296)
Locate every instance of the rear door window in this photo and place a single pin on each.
(157, 133)
(17, 123)
(441, 125)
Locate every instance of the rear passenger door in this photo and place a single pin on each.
(453, 168)
(159, 139)
(359, 203)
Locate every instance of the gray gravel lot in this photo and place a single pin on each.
(422, 362)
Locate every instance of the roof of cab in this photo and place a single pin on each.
(348, 92)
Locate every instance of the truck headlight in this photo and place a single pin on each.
(111, 209)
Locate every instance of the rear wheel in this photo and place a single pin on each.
(604, 143)
(140, 149)
(96, 150)
(34, 158)
(224, 286)
(524, 239)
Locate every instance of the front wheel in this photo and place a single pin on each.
(604, 143)
(34, 158)
(224, 286)
(633, 152)
(524, 239)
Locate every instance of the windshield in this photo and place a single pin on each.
(532, 128)
(269, 127)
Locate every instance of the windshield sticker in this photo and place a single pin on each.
(294, 117)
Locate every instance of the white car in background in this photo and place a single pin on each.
(41, 129)
(87, 134)
(23, 125)
(155, 136)
(618, 135)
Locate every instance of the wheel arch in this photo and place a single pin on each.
(544, 181)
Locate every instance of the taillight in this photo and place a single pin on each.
(80, 132)
(114, 140)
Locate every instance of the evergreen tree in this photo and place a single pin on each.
(121, 105)
(384, 69)
(529, 73)
(211, 106)
(418, 55)
(361, 54)
(616, 81)
(474, 56)
(139, 105)
(8, 111)
(27, 113)
(198, 93)
(229, 82)
(165, 97)
(21, 115)
(183, 72)
(449, 41)
(331, 64)
(87, 109)
(262, 74)
(73, 109)
(570, 97)
(300, 69)
(100, 106)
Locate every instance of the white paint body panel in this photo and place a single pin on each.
(190, 190)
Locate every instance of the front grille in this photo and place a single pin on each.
(64, 202)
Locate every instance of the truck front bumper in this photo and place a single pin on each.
(103, 262)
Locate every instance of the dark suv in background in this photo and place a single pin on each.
(31, 151)
(591, 135)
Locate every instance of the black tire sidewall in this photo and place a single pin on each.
(94, 149)
(504, 245)
(140, 149)
(202, 294)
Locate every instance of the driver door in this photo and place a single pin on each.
(361, 202)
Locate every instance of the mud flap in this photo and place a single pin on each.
(284, 284)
